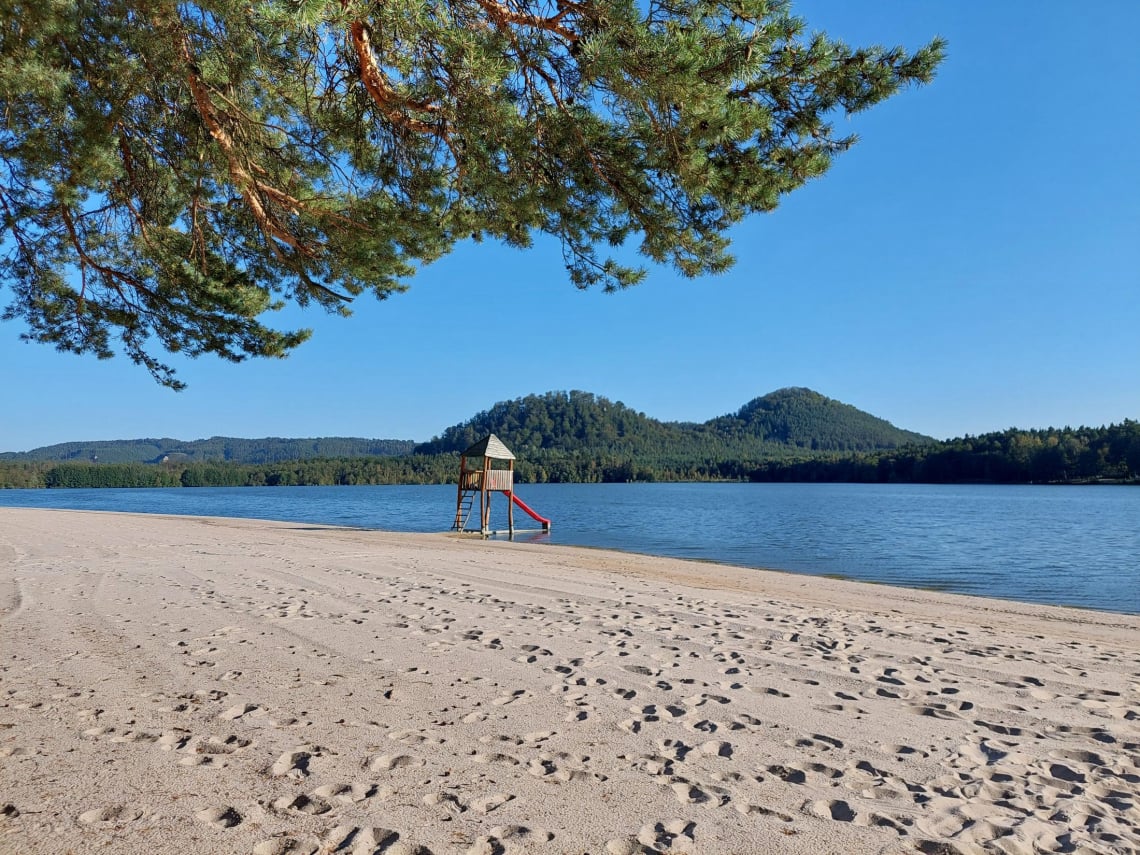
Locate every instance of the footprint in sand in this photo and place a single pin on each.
(510, 698)
(287, 846)
(1100, 734)
(346, 793)
(716, 748)
(488, 803)
(816, 742)
(505, 759)
(688, 793)
(942, 711)
(295, 763)
(174, 740)
(219, 817)
(631, 725)
(746, 722)
(579, 707)
(509, 838)
(671, 835)
(111, 813)
(640, 670)
(760, 810)
(835, 809)
(674, 749)
(236, 712)
(1003, 729)
(300, 803)
(413, 737)
(821, 770)
(136, 736)
(897, 824)
(391, 762)
(562, 767)
(650, 764)
(786, 774)
(205, 752)
(703, 698)
(355, 840)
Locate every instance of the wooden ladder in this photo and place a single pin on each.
(463, 511)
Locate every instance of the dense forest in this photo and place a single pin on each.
(808, 420)
(788, 435)
(1068, 455)
(776, 425)
(225, 448)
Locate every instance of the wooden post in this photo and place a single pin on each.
(510, 498)
(486, 496)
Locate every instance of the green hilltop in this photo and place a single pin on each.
(808, 420)
(788, 420)
(788, 435)
(782, 422)
(557, 436)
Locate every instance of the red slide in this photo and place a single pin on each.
(545, 522)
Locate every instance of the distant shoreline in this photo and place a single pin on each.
(1083, 482)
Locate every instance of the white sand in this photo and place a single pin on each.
(214, 686)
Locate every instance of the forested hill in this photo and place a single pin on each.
(560, 421)
(539, 428)
(572, 422)
(788, 435)
(218, 448)
(806, 419)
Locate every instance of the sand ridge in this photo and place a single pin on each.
(214, 685)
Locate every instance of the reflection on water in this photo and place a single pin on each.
(1075, 546)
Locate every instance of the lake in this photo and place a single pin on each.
(1075, 546)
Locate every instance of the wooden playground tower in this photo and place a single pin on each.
(488, 467)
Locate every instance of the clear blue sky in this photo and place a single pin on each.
(972, 264)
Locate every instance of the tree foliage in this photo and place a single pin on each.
(807, 419)
(218, 448)
(113, 475)
(171, 171)
(1080, 455)
(786, 419)
(1066, 455)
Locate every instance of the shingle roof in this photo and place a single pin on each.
(490, 446)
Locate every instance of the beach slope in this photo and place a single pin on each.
(217, 685)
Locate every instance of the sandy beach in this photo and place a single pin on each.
(233, 686)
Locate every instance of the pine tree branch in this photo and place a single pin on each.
(502, 15)
(390, 102)
(110, 275)
(245, 183)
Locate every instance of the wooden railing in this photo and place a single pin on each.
(497, 479)
(500, 479)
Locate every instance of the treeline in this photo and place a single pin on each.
(547, 467)
(222, 448)
(567, 436)
(412, 469)
(1051, 456)
(1014, 456)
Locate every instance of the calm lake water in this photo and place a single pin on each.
(1076, 546)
